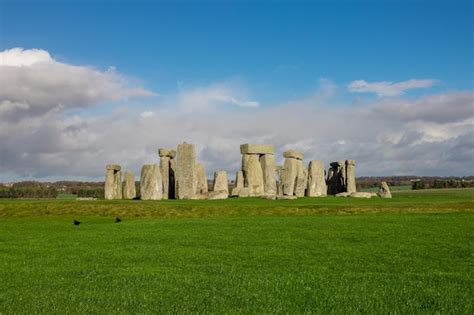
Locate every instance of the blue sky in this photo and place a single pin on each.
(280, 49)
(88, 83)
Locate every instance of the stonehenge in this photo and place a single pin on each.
(113, 182)
(179, 176)
(129, 190)
(258, 168)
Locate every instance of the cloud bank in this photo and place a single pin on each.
(429, 135)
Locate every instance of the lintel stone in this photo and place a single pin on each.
(257, 148)
(113, 167)
(167, 153)
(293, 154)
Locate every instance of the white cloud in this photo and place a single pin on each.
(430, 135)
(33, 83)
(387, 88)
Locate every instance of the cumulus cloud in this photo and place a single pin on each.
(429, 135)
(387, 88)
(33, 83)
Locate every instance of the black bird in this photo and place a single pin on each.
(75, 222)
(118, 220)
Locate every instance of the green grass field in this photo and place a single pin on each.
(409, 254)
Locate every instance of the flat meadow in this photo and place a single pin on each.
(409, 254)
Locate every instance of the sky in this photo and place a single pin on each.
(89, 83)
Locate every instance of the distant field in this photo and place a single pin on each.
(409, 254)
(392, 188)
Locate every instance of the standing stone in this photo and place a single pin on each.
(289, 173)
(239, 185)
(113, 182)
(151, 183)
(336, 177)
(279, 171)
(165, 175)
(350, 176)
(267, 162)
(166, 158)
(301, 180)
(172, 180)
(186, 182)
(129, 190)
(316, 184)
(253, 174)
(384, 191)
(220, 182)
(239, 179)
(201, 178)
(292, 154)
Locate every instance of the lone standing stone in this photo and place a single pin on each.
(186, 181)
(350, 176)
(151, 182)
(201, 178)
(384, 191)
(113, 182)
(129, 190)
(316, 183)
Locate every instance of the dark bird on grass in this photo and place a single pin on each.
(118, 220)
(75, 222)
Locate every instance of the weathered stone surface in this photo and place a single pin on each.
(113, 167)
(129, 189)
(384, 191)
(167, 153)
(216, 195)
(253, 174)
(201, 178)
(257, 148)
(239, 179)
(267, 162)
(343, 194)
(240, 192)
(186, 182)
(301, 180)
(316, 183)
(292, 154)
(113, 182)
(221, 182)
(165, 175)
(361, 195)
(151, 183)
(289, 173)
(279, 172)
(350, 176)
(172, 180)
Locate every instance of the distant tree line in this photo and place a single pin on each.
(441, 183)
